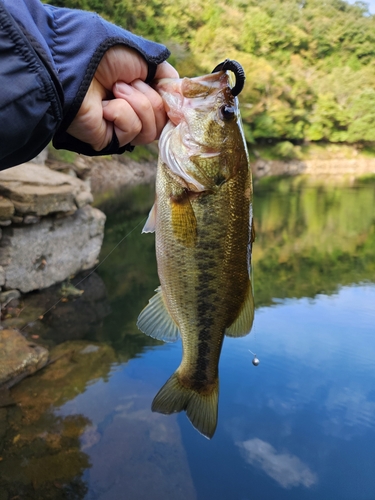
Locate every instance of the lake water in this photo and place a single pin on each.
(301, 425)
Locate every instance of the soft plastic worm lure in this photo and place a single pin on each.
(237, 69)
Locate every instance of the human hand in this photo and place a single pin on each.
(118, 100)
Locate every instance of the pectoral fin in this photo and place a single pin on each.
(150, 225)
(242, 325)
(184, 222)
(156, 322)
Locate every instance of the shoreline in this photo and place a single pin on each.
(334, 169)
(113, 173)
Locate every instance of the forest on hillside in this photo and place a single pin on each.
(310, 64)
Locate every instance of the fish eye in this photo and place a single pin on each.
(227, 112)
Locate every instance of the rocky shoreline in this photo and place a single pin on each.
(48, 232)
(109, 174)
(337, 169)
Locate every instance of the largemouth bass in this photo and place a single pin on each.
(202, 218)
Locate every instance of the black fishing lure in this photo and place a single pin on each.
(237, 69)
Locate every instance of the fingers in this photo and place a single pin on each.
(166, 70)
(124, 64)
(121, 118)
(88, 125)
(136, 113)
(148, 107)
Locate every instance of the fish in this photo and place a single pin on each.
(203, 224)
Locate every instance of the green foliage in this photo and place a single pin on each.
(286, 150)
(61, 155)
(310, 64)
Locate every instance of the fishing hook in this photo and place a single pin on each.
(237, 69)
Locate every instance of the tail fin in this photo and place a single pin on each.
(201, 409)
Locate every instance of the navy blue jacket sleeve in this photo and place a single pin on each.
(49, 56)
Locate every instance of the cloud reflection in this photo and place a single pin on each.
(288, 470)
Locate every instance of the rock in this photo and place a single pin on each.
(31, 219)
(39, 255)
(83, 198)
(7, 296)
(38, 190)
(6, 208)
(329, 167)
(5, 400)
(16, 219)
(41, 158)
(2, 276)
(18, 358)
(120, 171)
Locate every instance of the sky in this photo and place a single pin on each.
(370, 3)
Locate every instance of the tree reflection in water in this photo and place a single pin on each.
(309, 240)
(42, 453)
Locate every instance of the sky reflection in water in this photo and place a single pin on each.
(299, 426)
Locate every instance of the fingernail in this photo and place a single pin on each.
(123, 88)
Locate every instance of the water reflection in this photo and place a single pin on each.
(300, 426)
(55, 315)
(42, 453)
(311, 239)
(288, 470)
(139, 454)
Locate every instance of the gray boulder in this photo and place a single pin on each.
(38, 255)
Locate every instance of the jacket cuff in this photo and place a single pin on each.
(80, 41)
(63, 140)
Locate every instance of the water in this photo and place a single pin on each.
(299, 426)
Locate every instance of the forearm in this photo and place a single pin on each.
(49, 57)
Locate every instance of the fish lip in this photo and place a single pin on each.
(177, 93)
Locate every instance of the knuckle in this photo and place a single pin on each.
(137, 127)
(145, 106)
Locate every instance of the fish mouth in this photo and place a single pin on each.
(180, 93)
